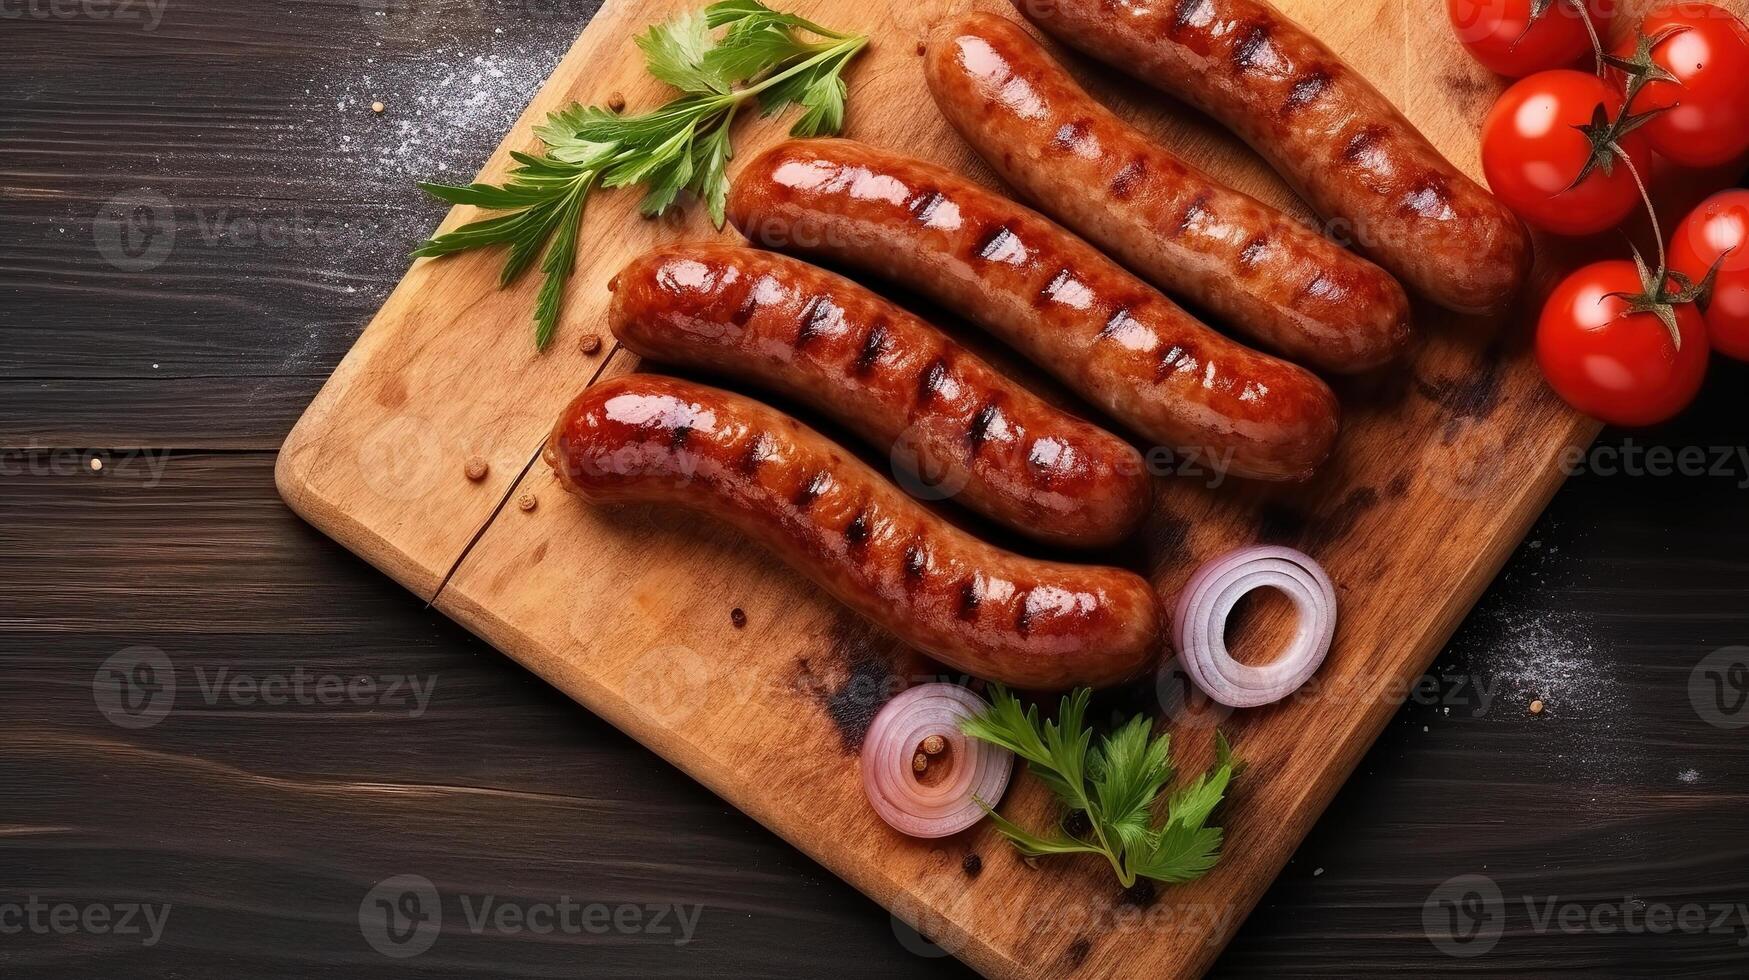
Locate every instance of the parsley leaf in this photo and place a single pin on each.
(1117, 783)
(675, 53)
(683, 146)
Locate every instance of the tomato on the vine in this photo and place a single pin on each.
(1612, 363)
(1719, 225)
(1534, 147)
(1503, 37)
(1705, 117)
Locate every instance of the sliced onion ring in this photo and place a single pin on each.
(975, 768)
(1199, 626)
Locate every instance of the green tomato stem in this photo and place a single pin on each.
(1651, 212)
(1591, 29)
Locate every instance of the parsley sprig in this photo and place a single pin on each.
(1115, 784)
(774, 58)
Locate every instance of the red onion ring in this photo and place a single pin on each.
(977, 768)
(1199, 626)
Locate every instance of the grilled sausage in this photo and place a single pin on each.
(1293, 290)
(1048, 294)
(971, 605)
(890, 378)
(1340, 143)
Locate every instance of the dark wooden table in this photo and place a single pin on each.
(199, 211)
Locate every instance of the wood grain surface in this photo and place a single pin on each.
(264, 826)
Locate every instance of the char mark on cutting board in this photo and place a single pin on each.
(1169, 533)
(1473, 395)
(1469, 90)
(854, 678)
(1281, 524)
(1141, 894)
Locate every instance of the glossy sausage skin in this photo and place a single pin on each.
(1340, 143)
(1033, 624)
(1290, 288)
(1046, 293)
(894, 380)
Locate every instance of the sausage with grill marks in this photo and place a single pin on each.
(1293, 290)
(1329, 132)
(889, 377)
(994, 614)
(1059, 301)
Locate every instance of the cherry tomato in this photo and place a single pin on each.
(1613, 365)
(1494, 33)
(1705, 121)
(1532, 151)
(1720, 222)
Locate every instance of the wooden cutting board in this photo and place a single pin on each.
(1442, 467)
